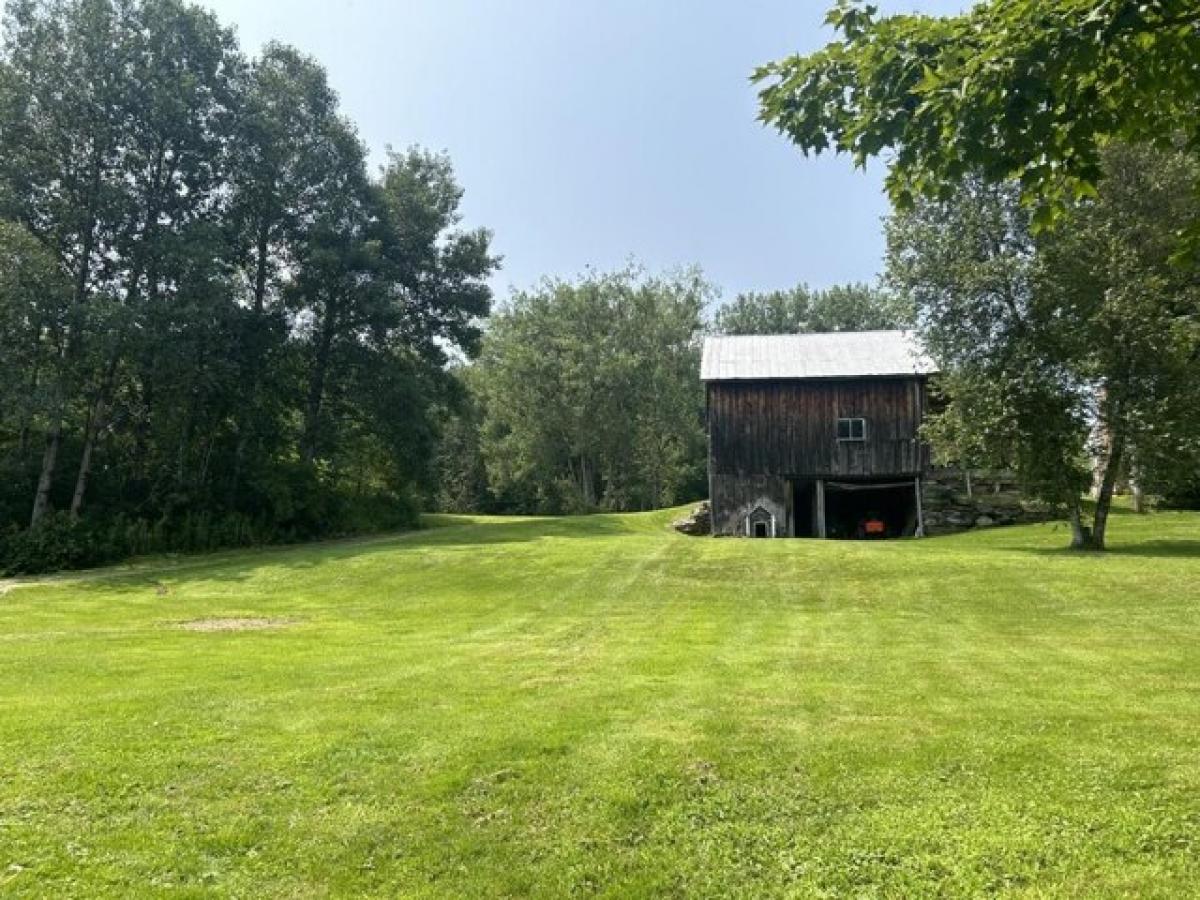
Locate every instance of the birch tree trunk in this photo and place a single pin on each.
(1139, 497)
(94, 426)
(1135, 486)
(1108, 482)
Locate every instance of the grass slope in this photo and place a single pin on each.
(543, 707)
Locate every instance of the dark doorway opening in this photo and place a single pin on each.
(851, 507)
(804, 509)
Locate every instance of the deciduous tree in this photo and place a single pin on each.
(1014, 90)
(1065, 348)
(849, 307)
(590, 394)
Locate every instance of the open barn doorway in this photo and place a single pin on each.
(856, 510)
(804, 509)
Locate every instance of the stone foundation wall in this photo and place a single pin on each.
(994, 500)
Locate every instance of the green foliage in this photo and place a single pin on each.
(35, 313)
(58, 541)
(590, 396)
(1182, 493)
(850, 307)
(1137, 308)
(462, 477)
(209, 310)
(1020, 90)
(1072, 347)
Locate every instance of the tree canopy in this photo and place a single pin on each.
(1069, 351)
(849, 307)
(223, 327)
(1020, 90)
(590, 396)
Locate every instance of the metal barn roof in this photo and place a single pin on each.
(840, 354)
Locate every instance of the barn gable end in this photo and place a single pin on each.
(818, 429)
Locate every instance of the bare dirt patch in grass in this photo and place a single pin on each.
(238, 623)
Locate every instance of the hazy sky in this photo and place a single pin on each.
(586, 132)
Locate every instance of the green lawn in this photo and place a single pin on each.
(597, 705)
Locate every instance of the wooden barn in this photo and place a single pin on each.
(816, 435)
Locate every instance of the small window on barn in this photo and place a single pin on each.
(852, 429)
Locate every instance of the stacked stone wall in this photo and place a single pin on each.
(993, 499)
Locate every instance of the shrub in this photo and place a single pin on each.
(57, 542)
(54, 543)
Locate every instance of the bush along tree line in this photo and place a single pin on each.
(216, 326)
(1044, 164)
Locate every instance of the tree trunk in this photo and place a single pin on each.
(1108, 482)
(260, 271)
(70, 346)
(94, 426)
(587, 483)
(239, 452)
(253, 359)
(316, 388)
(205, 459)
(181, 453)
(1081, 538)
(1135, 486)
(312, 408)
(27, 414)
(41, 498)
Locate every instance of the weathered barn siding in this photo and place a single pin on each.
(736, 497)
(789, 428)
(774, 402)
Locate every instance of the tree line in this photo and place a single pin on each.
(587, 393)
(217, 325)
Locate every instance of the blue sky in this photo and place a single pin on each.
(589, 133)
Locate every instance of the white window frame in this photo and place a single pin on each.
(851, 439)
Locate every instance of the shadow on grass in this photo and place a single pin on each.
(1165, 548)
(440, 531)
(1154, 549)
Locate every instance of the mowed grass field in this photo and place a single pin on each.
(534, 707)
